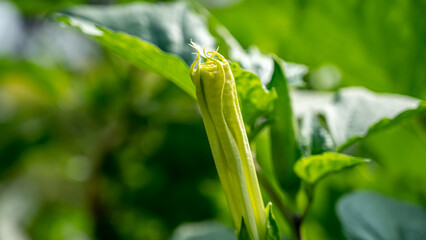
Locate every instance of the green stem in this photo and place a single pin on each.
(293, 219)
(309, 193)
(274, 196)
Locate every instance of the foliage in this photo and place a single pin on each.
(369, 215)
(120, 153)
(315, 167)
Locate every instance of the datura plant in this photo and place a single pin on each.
(218, 101)
(300, 136)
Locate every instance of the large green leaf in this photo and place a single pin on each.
(350, 115)
(155, 37)
(357, 112)
(169, 26)
(368, 215)
(253, 60)
(313, 168)
(314, 136)
(203, 231)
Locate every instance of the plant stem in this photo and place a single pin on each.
(294, 220)
(297, 223)
(310, 196)
(275, 198)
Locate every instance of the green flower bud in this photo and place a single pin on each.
(218, 101)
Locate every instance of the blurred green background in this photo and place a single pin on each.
(94, 148)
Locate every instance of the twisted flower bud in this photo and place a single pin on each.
(218, 101)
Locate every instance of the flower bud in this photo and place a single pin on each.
(218, 101)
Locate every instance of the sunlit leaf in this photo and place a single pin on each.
(314, 137)
(155, 37)
(350, 115)
(357, 112)
(169, 26)
(255, 61)
(140, 53)
(313, 168)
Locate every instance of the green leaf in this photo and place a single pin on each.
(169, 26)
(369, 215)
(244, 234)
(255, 101)
(350, 115)
(313, 134)
(313, 168)
(253, 60)
(284, 146)
(294, 72)
(272, 231)
(314, 137)
(155, 37)
(107, 24)
(203, 231)
(357, 113)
